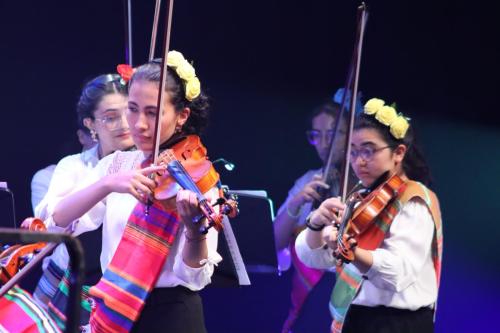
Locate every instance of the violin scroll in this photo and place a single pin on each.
(15, 257)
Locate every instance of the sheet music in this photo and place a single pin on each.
(234, 251)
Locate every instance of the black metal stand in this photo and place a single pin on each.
(76, 263)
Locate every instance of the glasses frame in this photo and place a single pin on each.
(372, 153)
(323, 134)
(106, 121)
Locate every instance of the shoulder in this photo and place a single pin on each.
(419, 196)
(415, 189)
(43, 174)
(121, 160)
(70, 160)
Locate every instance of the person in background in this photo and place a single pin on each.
(100, 112)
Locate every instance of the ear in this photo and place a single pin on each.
(89, 123)
(399, 153)
(183, 116)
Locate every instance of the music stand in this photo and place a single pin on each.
(253, 229)
(7, 207)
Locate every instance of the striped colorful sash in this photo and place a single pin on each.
(121, 293)
(48, 284)
(58, 304)
(303, 281)
(349, 281)
(20, 313)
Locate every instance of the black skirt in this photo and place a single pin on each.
(381, 319)
(172, 310)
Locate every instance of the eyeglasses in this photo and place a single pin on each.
(114, 122)
(366, 153)
(315, 136)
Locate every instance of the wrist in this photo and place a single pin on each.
(312, 226)
(293, 210)
(194, 236)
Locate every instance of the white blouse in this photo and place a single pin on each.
(69, 172)
(402, 275)
(114, 211)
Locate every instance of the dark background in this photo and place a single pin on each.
(266, 64)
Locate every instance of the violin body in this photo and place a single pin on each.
(15, 257)
(188, 167)
(192, 154)
(358, 220)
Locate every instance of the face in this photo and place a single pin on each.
(371, 156)
(142, 111)
(110, 124)
(321, 134)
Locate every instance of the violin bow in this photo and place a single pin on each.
(127, 13)
(362, 18)
(351, 82)
(161, 94)
(154, 31)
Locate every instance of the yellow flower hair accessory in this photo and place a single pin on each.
(387, 115)
(186, 72)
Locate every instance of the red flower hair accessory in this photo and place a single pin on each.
(125, 71)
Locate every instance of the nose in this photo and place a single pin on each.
(122, 123)
(141, 123)
(358, 160)
(324, 143)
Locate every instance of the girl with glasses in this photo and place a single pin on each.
(291, 216)
(391, 285)
(102, 97)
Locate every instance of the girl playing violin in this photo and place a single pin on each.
(391, 284)
(150, 251)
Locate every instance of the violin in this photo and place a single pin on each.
(15, 257)
(189, 167)
(361, 212)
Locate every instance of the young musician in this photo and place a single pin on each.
(153, 252)
(391, 285)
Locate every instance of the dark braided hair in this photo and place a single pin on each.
(414, 164)
(198, 118)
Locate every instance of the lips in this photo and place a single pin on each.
(141, 138)
(124, 135)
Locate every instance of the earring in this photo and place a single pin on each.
(93, 134)
(178, 128)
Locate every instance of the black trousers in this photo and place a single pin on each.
(171, 310)
(381, 319)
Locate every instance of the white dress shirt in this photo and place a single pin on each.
(68, 173)
(402, 275)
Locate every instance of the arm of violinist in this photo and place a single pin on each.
(363, 259)
(286, 220)
(134, 182)
(195, 247)
(197, 256)
(325, 215)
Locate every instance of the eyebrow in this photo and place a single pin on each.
(366, 143)
(111, 110)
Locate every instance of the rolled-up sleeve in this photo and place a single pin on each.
(316, 258)
(196, 278)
